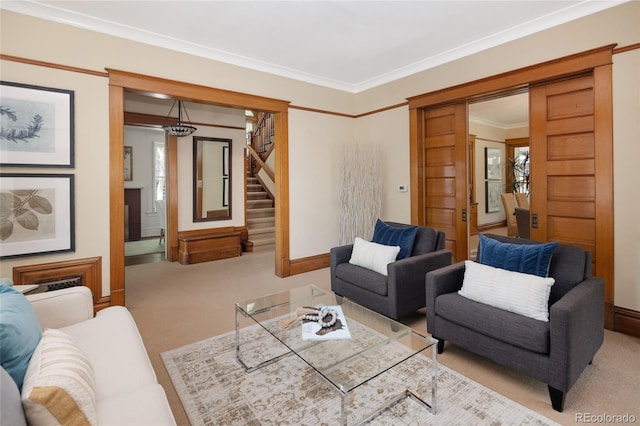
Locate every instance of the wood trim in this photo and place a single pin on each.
(145, 84)
(603, 156)
(320, 111)
(116, 194)
(626, 321)
(261, 163)
(149, 120)
(626, 48)
(171, 212)
(90, 269)
(311, 263)
(416, 159)
(597, 62)
(52, 65)
(120, 81)
(376, 111)
(517, 79)
(281, 143)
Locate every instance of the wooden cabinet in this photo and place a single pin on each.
(203, 247)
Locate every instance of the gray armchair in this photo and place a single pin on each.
(554, 352)
(400, 292)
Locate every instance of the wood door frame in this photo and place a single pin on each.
(597, 61)
(121, 81)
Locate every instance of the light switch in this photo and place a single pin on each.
(402, 188)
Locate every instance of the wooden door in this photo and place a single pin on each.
(571, 169)
(445, 175)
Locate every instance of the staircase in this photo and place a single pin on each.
(261, 214)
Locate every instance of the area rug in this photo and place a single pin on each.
(215, 390)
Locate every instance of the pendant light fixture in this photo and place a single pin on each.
(179, 129)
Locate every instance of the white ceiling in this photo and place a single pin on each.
(346, 45)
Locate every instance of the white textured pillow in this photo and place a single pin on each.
(59, 386)
(523, 294)
(373, 256)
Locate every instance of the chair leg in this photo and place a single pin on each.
(440, 344)
(557, 398)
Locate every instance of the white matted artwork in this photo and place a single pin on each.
(36, 126)
(494, 201)
(37, 214)
(493, 163)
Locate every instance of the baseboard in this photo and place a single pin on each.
(626, 321)
(493, 225)
(307, 264)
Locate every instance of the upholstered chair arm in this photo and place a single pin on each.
(338, 255)
(60, 308)
(441, 281)
(576, 323)
(405, 279)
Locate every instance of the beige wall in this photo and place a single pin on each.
(316, 139)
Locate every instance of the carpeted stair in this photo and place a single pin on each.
(261, 221)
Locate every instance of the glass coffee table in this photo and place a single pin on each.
(376, 345)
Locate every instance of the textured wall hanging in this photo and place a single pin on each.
(361, 195)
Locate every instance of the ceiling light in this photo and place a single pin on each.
(179, 129)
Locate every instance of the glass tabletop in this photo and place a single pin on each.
(375, 343)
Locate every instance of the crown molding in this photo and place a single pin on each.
(52, 13)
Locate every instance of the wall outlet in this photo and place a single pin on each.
(402, 188)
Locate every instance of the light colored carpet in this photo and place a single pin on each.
(146, 246)
(216, 390)
(175, 305)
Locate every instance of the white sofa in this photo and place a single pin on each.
(126, 388)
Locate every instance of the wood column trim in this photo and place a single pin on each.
(116, 193)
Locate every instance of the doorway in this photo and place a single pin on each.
(570, 109)
(145, 188)
(496, 125)
(121, 81)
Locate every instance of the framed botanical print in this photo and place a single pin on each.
(37, 214)
(37, 126)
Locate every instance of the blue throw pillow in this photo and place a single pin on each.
(393, 236)
(526, 258)
(19, 333)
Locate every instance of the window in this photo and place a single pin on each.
(159, 174)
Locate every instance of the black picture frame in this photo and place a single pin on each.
(39, 214)
(37, 126)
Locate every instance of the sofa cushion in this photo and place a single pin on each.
(426, 239)
(373, 256)
(570, 265)
(112, 342)
(11, 412)
(144, 405)
(59, 387)
(395, 236)
(523, 294)
(529, 259)
(514, 329)
(363, 278)
(19, 332)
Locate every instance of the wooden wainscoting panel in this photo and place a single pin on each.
(90, 269)
(626, 321)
